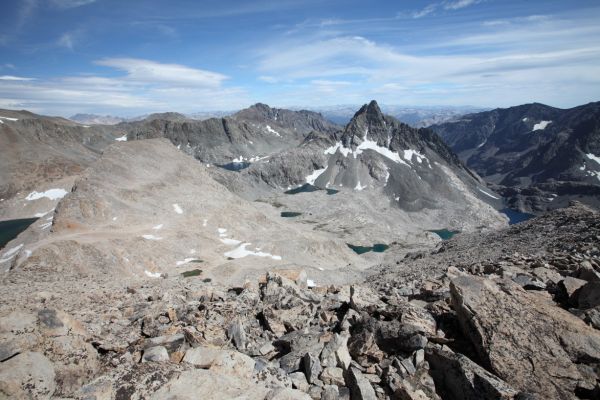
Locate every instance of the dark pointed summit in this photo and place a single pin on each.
(371, 110)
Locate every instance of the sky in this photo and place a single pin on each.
(126, 58)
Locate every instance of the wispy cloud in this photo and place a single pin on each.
(66, 40)
(146, 71)
(14, 78)
(505, 59)
(458, 4)
(445, 5)
(71, 3)
(145, 86)
(425, 11)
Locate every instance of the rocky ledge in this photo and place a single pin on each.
(504, 326)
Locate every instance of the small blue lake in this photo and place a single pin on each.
(290, 214)
(376, 248)
(514, 216)
(234, 166)
(11, 229)
(444, 234)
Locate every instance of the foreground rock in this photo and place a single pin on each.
(524, 338)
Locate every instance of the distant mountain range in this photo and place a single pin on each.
(539, 151)
(417, 116)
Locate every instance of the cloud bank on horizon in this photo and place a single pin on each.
(127, 58)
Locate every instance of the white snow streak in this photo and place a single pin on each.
(40, 215)
(152, 274)
(177, 209)
(487, 194)
(151, 237)
(52, 194)
(241, 252)
(540, 126)
(186, 261)
(593, 157)
(157, 227)
(367, 145)
(273, 131)
(310, 179)
(12, 252)
(122, 138)
(230, 242)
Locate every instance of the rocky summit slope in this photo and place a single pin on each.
(515, 317)
(400, 170)
(129, 215)
(40, 154)
(247, 136)
(541, 152)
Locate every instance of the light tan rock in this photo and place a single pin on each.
(523, 337)
(27, 376)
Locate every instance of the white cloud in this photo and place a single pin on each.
(458, 4)
(512, 62)
(14, 78)
(425, 11)
(146, 86)
(147, 71)
(66, 40)
(71, 3)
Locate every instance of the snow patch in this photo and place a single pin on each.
(40, 215)
(310, 179)
(230, 242)
(359, 187)
(481, 145)
(114, 218)
(12, 252)
(46, 225)
(204, 222)
(122, 138)
(593, 157)
(241, 252)
(8, 119)
(487, 194)
(409, 154)
(151, 237)
(273, 131)
(52, 194)
(186, 261)
(157, 227)
(366, 145)
(540, 126)
(310, 283)
(177, 209)
(152, 274)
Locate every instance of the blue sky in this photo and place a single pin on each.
(127, 58)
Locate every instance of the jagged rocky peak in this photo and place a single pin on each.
(368, 121)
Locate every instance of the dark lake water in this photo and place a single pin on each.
(235, 166)
(307, 188)
(444, 234)
(290, 214)
(514, 216)
(377, 248)
(11, 229)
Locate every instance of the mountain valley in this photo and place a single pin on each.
(273, 254)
